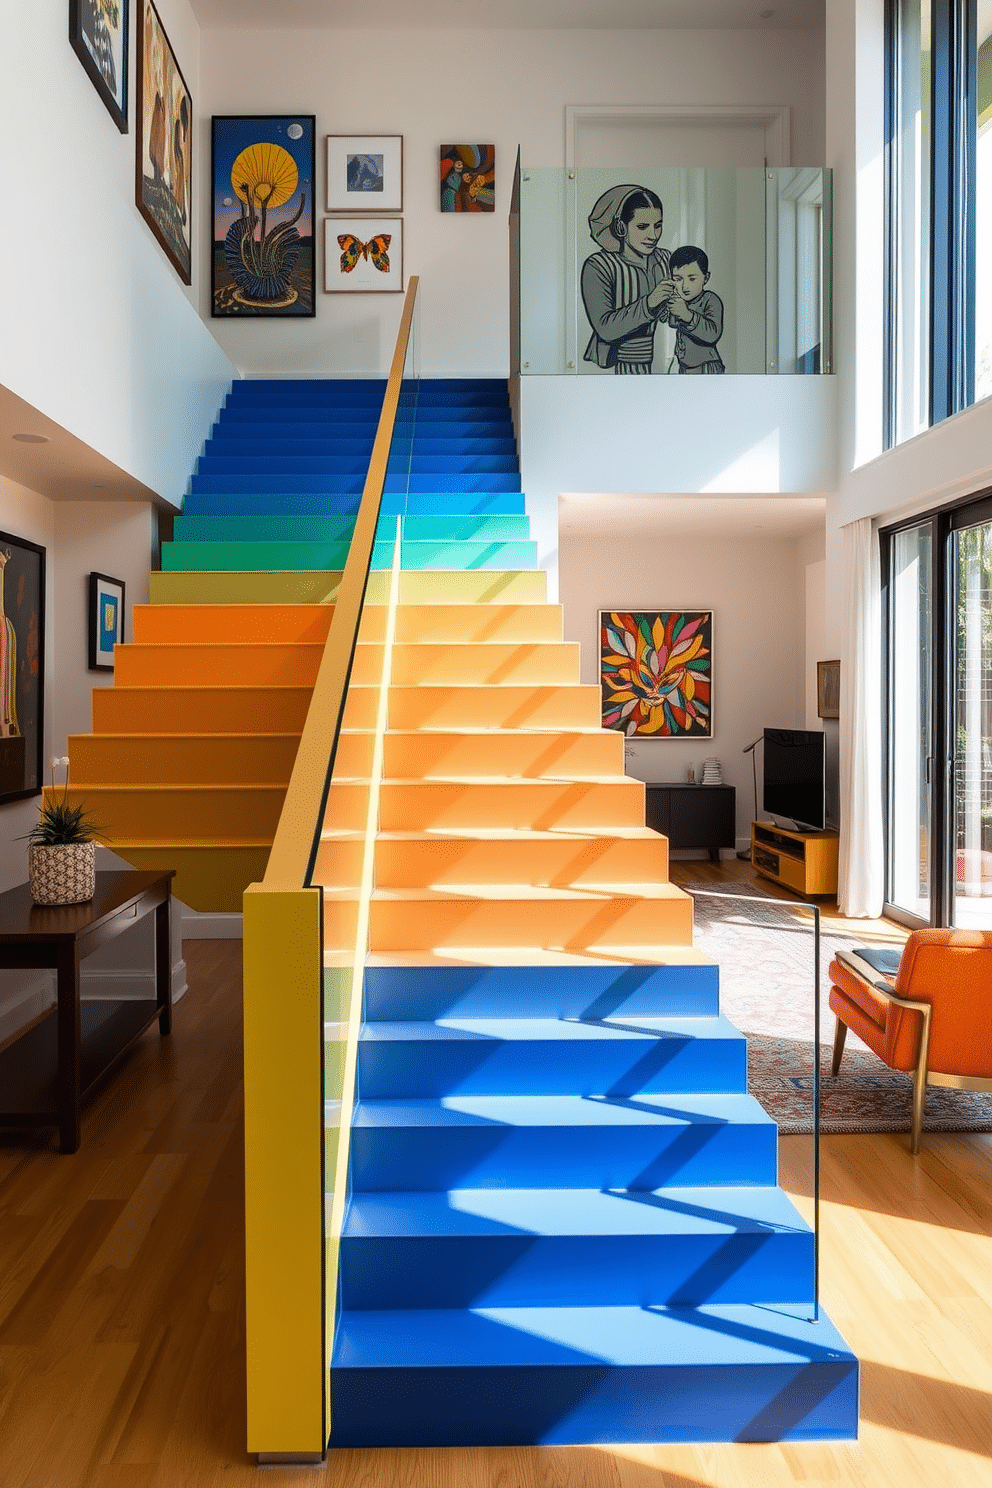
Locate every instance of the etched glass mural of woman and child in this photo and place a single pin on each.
(632, 285)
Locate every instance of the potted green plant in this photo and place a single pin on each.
(62, 849)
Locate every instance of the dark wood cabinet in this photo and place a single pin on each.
(694, 815)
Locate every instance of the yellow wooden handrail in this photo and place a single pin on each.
(286, 1238)
(292, 851)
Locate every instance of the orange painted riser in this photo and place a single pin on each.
(183, 813)
(548, 858)
(606, 920)
(442, 624)
(207, 710)
(208, 665)
(494, 707)
(189, 759)
(481, 663)
(406, 806)
(195, 624)
(557, 753)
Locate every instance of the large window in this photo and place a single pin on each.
(938, 600)
(938, 211)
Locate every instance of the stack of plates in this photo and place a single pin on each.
(712, 772)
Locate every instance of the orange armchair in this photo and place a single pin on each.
(933, 1019)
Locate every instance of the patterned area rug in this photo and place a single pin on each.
(765, 949)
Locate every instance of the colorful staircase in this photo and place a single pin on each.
(563, 1224)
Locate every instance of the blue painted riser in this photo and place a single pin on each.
(224, 445)
(508, 1376)
(643, 1142)
(418, 993)
(524, 1056)
(573, 1248)
(470, 483)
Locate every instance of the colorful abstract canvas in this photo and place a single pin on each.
(468, 178)
(656, 672)
(164, 145)
(262, 187)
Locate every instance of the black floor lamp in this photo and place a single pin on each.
(754, 774)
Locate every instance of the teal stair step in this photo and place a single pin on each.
(550, 1056)
(458, 555)
(290, 528)
(320, 504)
(300, 556)
(644, 1141)
(547, 1375)
(560, 1247)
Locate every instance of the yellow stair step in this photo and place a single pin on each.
(482, 663)
(441, 624)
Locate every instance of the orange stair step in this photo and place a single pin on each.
(442, 624)
(559, 753)
(480, 663)
(174, 759)
(196, 623)
(208, 665)
(203, 710)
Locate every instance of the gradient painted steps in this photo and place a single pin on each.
(563, 1223)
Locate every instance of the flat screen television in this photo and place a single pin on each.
(794, 777)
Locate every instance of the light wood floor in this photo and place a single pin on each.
(121, 1314)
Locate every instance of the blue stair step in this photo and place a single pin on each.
(516, 1141)
(527, 1247)
(532, 1056)
(311, 418)
(224, 445)
(547, 1375)
(340, 483)
(397, 993)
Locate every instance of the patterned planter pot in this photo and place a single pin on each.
(64, 874)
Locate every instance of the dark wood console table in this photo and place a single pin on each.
(694, 815)
(45, 1071)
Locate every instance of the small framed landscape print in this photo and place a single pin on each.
(468, 178)
(98, 34)
(656, 672)
(262, 189)
(163, 176)
(365, 173)
(363, 255)
(105, 620)
(828, 689)
(22, 666)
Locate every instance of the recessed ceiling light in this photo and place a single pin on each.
(765, 15)
(32, 438)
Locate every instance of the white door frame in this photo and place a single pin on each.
(775, 118)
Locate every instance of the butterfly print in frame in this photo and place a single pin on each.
(363, 255)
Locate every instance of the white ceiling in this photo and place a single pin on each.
(58, 464)
(598, 514)
(564, 15)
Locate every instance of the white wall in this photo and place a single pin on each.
(755, 588)
(672, 434)
(507, 88)
(98, 332)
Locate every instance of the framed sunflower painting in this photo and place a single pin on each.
(656, 672)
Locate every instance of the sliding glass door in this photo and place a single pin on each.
(938, 596)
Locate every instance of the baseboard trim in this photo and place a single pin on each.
(197, 926)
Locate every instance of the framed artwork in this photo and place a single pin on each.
(98, 32)
(105, 620)
(363, 255)
(365, 173)
(22, 666)
(828, 689)
(163, 177)
(656, 672)
(262, 193)
(468, 178)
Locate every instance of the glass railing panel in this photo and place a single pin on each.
(673, 270)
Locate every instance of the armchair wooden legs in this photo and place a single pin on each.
(840, 1034)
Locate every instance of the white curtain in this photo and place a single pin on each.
(862, 844)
